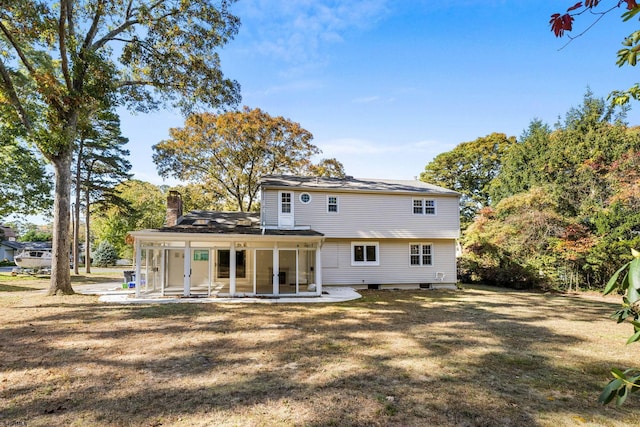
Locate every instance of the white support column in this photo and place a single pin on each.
(163, 269)
(319, 270)
(147, 260)
(232, 269)
(187, 269)
(138, 260)
(276, 270)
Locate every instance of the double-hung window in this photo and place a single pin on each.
(424, 206)
(332, 204)
(421, 254)
(365, 253)
(418, 209)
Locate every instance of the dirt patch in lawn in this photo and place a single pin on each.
(476, 357)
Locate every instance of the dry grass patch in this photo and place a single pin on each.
(480, 356)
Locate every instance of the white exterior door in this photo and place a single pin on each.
(285, 209)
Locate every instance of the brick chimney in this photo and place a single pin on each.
(174, 208)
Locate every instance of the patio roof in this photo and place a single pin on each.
(227, 223)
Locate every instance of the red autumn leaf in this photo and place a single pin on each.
(567, 21)
(575, 6)
(631, 4)
(591, 3)
(561, 23)
(556, 24)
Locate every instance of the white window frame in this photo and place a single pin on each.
(302, 201)
(423, 206)
(418, 204)
(337, 204)
(365, 245)
(421, 254)
(284, 203)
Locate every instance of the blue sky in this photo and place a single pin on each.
(386, 85)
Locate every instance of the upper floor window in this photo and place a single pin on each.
(365, 253)
(417, 206)
(332, 204)
(424, 206)
(305, 198)
(421, 254)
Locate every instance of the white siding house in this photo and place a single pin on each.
(311, 232)
(409, 228)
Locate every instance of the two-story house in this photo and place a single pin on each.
(310, 232)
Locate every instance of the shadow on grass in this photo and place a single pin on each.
(12, 288)
(474, 357)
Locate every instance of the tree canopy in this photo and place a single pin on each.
(66, 59)
(560, 208)
(25, 183)
(469, 169)
(230, 152)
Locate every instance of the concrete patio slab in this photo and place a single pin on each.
(113, 293)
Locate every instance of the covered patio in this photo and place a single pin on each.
(227, 256)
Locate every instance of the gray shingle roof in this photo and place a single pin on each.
(229, 223)
(354, 184)
(23, 245)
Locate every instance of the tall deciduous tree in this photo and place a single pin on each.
(72, 57)
(230, 152)
(469, 169)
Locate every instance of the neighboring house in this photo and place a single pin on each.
(7, 233)
(8, 246)
(9, 249)
(311, 232)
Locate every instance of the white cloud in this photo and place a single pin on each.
(298, 85)
(297, 30)
(366, 99)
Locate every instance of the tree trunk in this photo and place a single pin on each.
(76, 212)
(87, 238)
(60, 272)
(76, 233)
